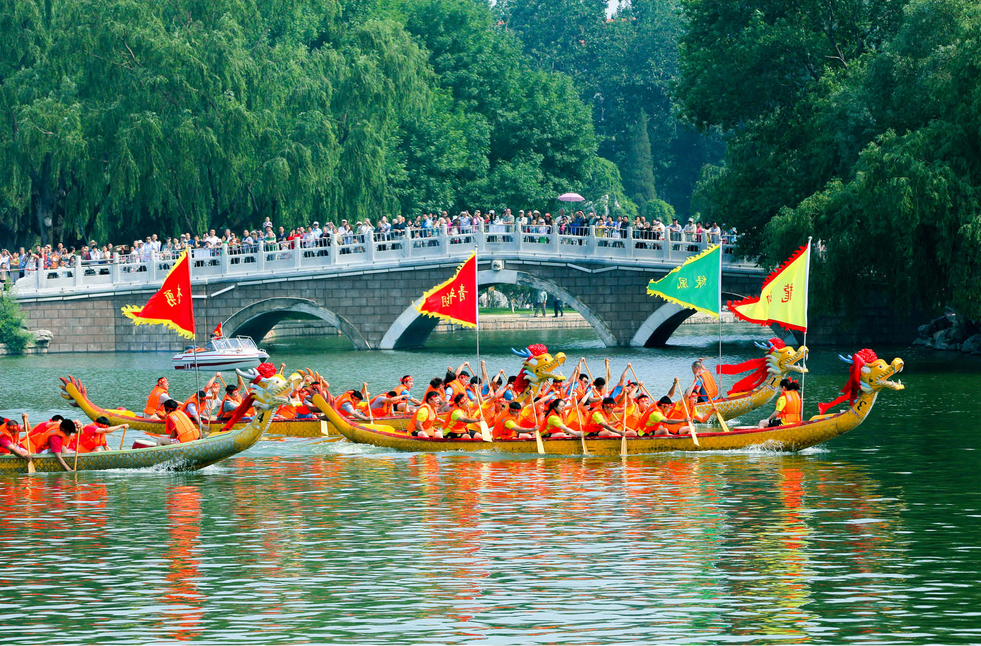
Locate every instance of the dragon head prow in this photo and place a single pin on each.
(875, 374)
(539, 366)
(268, 389)
(782, 359)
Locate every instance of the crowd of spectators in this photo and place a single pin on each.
(352, 236)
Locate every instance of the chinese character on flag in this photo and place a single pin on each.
(169, 306)
(456, 299)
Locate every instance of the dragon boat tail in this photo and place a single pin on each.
(873, 377)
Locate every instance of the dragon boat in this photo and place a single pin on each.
(76, 393)
(270, 391)
(869, 376)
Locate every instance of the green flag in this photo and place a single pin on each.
(696, 284)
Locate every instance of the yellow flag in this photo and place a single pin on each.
(783, 298)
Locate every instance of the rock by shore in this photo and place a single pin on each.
(951, 333)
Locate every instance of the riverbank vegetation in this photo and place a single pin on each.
(12, 332)
(855, 121)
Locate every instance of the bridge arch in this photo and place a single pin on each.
(411, 328)
(256, 319)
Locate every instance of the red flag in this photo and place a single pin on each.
(218, 332)
(171, 305)
(456, 299)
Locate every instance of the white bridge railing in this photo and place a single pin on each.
(353, 251)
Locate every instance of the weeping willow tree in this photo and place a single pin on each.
(126, 117)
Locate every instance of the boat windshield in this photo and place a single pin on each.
(235, 343)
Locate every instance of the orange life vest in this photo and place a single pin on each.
(385, 410)
(451, 426)
(154, 404)
(222, 415)
(593, 426)
(42, 440)
(440, 390)
(430, 419)
(88, 440)
(547, 429)
(792, 409)
(193, 399)
(347, 398)
(500, 431)
(708, 381)
(184, 429)
(7, 433)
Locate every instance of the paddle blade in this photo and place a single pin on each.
(694, 438)
(324, 430)
(623, 445)
(539, 443)
(485, 432)
(722, 422)
(30, 465)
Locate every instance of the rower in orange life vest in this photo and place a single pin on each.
(508, 427)
(193, 406)
(154, 403)
(93, 436)
(424, 419)
(231, 400)
(180, 427)
(354, 404)
(659, 420)
(404, 388)
(553, 425)
(704, 384)
(50, 436)
(455, 422)
(9, 436)
(599, 425)
(788, 407)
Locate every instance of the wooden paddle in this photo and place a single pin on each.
(582, 429)
(122, 440)
(30, 451)
(485, 432)
(691, 425)
(78, 444)
(623, 429)
(367, 396)
(538, 435)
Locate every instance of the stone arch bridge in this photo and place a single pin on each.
(374, 305)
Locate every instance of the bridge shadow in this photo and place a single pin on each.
(258, 318)
(411, 329)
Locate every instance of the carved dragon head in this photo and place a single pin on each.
(538, 367)
(782, 359)
(874, 373)
(268, 389)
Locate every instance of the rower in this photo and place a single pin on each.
(93, 436)
(598, 424)
(455, 422)
(385, 404)
(554, 424)
(426, 416)
(154, 402)
(9, 435)
(231, 400)
(788, 407)
(436, 386)
(404, 388)
(194, 405)
(655, 419)
(352, 404)
(704, 384)
(507, 426)
(179, 424)
(52, 436)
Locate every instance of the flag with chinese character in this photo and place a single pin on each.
(171, 305)
(456, 299)
(783, 298)
(695, 284)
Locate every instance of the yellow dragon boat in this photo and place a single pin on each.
(866, 382)
(75, 392)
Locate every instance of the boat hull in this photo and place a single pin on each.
(789, 438)
(173, 457)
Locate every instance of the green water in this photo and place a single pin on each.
(874, 537)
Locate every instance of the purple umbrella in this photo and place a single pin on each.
(571, 197)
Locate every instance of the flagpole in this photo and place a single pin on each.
(720, 301)
(477, 307)
(194, 349)
(807, 281)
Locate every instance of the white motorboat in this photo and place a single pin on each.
(222, 354)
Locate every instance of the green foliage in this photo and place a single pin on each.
(859, 127)
(127, 117)
(12, 332)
